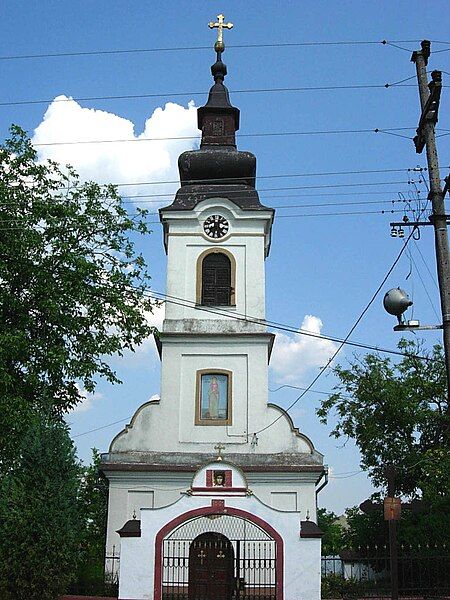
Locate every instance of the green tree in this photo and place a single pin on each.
(366, 529)
(39, 519)
(332, 540)
(93, 512)
(72, 288)
(429, 527)
(397, 413)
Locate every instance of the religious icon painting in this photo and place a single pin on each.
(213, 398)
(218, 478)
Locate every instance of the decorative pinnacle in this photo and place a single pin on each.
(219, 46)
(219, 449)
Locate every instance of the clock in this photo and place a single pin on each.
(216, 226)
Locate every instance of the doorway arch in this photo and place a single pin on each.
(257, 546)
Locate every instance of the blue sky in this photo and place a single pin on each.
(321, 264)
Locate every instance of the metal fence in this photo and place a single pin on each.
(99, 583)
(423, 572)
(219, 557)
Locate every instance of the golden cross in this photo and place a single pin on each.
(219, 45)
(201, 556)
(219, 449)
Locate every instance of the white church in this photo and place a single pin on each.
(212, 489)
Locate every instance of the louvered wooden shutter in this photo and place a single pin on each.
(216, 280)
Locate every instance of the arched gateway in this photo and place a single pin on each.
(218, 556)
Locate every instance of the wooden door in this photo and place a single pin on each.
(211, 568)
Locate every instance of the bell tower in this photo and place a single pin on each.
(214, 348)
(214, 344)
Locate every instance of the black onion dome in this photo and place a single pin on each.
(217, 168)
(217, 165)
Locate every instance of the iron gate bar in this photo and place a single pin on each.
(253, 558)
(423, 572)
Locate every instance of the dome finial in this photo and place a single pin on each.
(219, 46)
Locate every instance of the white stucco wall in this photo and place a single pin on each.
(246, 240)
(167, 488)
(169, 426)
(301, 556)
(193, 340)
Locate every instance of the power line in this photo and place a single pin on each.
(424, 286)
(268, 323)
(346, 213)
(239, 135)
(302, 215)
(236, 196)
(342, 475)
(393, 201)
(100, 428)
(432, 277)
(284, 196)
(345, 340)
(167, 298)
(303, 187)
(129, 418)
(277, 207)
(297, 387)
(203, 93)
(274, 176)
(313, 205)
(353, 474)
(192, 48)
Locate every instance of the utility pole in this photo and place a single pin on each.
(429, 101)
(392, 508)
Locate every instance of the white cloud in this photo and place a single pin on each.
(156, 317)
(146, 353)
(295, 356)
(120, 162)
(87, 400)
(154, 397)
(148, 346)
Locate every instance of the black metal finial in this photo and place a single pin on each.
(219, 69)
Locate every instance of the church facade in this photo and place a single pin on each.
(212, 489)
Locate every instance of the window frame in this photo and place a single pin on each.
(199, 275)
(214, 422)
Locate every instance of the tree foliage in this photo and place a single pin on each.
(93, 512)
(39, 516)
(428, 527)
(72, 287)
(397, 413)
(332, 540)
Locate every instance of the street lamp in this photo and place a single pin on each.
(396, 301)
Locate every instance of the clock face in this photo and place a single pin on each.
(216, 226)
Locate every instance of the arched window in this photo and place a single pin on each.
(216, 289)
